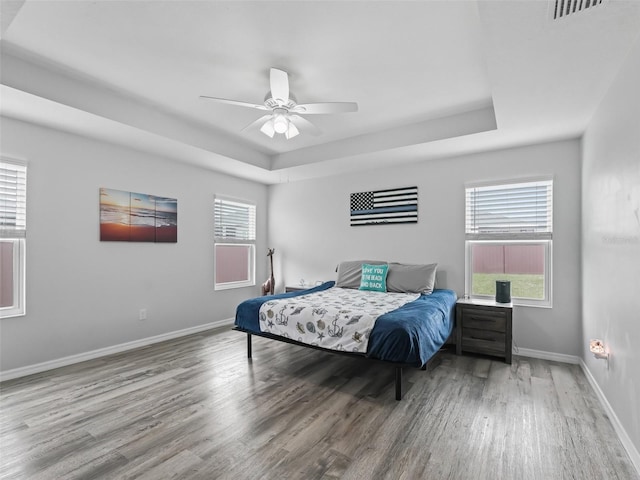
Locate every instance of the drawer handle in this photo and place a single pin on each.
(485, 339)
(484, 319)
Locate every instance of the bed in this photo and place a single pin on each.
(405, 323)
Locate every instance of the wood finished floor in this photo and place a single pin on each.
(196, 408)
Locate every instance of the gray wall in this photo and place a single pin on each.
(83, 294)
(611, 244)
(309, 228)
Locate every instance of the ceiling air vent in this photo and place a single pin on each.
(564, 8)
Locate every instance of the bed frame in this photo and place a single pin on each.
(431, 363)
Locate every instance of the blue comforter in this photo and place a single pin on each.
(410, 335)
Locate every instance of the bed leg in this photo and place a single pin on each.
(248, 345)
(398, 383)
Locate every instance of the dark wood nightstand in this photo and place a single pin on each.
(484, 327)
(296, 288)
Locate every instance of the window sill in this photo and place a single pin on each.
(230, 286)
(12, 314)
(516, 302)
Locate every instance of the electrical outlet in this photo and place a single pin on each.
(142, 314)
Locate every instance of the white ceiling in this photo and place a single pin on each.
(431, 78)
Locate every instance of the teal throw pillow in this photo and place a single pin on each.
(374, 278)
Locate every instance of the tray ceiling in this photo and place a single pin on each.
(431, 78)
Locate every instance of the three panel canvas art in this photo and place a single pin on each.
(137, 217)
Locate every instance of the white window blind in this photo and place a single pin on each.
(510, 211)
(13, 199)
(234, 221)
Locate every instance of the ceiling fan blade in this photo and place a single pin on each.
(279, 81)
(326, 107)
(257, 123)
(304, 124)
(236, 102)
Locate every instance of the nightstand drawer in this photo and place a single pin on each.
(482, 319)
(472, 334)
(486, 347)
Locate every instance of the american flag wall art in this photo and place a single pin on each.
(383, 207)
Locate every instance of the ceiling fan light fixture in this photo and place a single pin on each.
(268, 129)
(292, 131)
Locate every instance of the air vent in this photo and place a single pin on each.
(565, 8)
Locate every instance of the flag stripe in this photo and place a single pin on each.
(397, 205)
(382, 222)
(385, 220)
(396, 202)
(386, 215)
(394, 191)
(390, 196)
(386, 211)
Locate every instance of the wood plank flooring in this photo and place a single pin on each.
(197, 408)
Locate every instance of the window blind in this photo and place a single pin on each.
(517, 210)
(13, 199)
(234, 221)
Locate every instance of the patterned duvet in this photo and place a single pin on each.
(408, 334)
(337, 318)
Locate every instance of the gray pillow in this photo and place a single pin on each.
(407, 278)
(350, 272)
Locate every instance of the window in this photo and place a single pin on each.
(13, 230)
(509, 231)
(234, 248)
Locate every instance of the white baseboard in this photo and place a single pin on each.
(634, 455)
(103, 352)
(556, 357)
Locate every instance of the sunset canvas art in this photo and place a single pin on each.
(137, 217)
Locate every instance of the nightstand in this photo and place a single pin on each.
(484, 327)
(296, 288)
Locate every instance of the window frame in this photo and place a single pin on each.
(18, 307)
(510, 238)
(248, 239)
(15, 232)
(251, 265)
(546, 302)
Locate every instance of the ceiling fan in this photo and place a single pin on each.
(284, 115)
